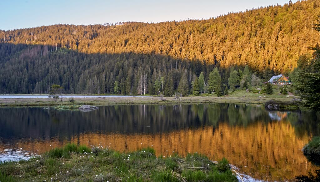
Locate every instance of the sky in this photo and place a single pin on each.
(16, 14)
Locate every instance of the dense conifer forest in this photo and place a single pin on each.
(132, 58)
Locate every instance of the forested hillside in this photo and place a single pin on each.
(138, 58)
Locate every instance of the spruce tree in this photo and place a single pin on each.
(195, 87)
(116, 87)
(246, 78)
(233, 80)
(308, 79)
(269, 89)
(157, 86)
(183, 87)
(168, 86)
(201, 83)
(215, 82)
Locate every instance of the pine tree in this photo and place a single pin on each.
(55, 91)
(195, 87)
(116, 87)
(183, 87)
(269, 89)
(168, 86)
(308, 79)
(246, 78)
(226, 90)
(233, 80)
(201, 83)
(215, 82)
(157, 86)
(255, 81)
(162, 83)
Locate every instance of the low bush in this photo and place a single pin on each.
(312, 150)
(67, 150)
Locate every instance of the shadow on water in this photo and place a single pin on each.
(265, 145)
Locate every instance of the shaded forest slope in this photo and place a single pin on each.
(270, 38)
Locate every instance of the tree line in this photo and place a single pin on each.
(126, 73)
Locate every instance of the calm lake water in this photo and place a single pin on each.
(61, 96)
(265, 145)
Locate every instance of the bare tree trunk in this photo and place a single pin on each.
(144, 84)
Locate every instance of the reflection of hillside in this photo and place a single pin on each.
(266, 151)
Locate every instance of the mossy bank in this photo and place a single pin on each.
(312, 150)
(79, 163)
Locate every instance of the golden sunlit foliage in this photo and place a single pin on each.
(272, 37)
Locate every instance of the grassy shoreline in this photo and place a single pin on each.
(312, 150)
(236, 97)
(79, 163)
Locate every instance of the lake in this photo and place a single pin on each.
(265, 145)
(25, 96)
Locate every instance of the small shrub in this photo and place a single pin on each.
(145, 153)
(67, 150)
(223, 165)
(268, 89)
(171, 164)
(107, 152)
(55, 153)
(83, 149)
(71, 147)
(96, 151)
(284, 90)
(149, 150)
(72, 100)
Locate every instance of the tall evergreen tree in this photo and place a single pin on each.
(233, 80)
(201, 83)
(308, 79)
(269, 89)
(215, 82)
(183, 87)
(116, 88)
(168, 86)
(246, 78)
(195, 87)
(157, 86)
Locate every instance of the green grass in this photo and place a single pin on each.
(5, 178)
(239, 96)
(82, 164)
(66, 151)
